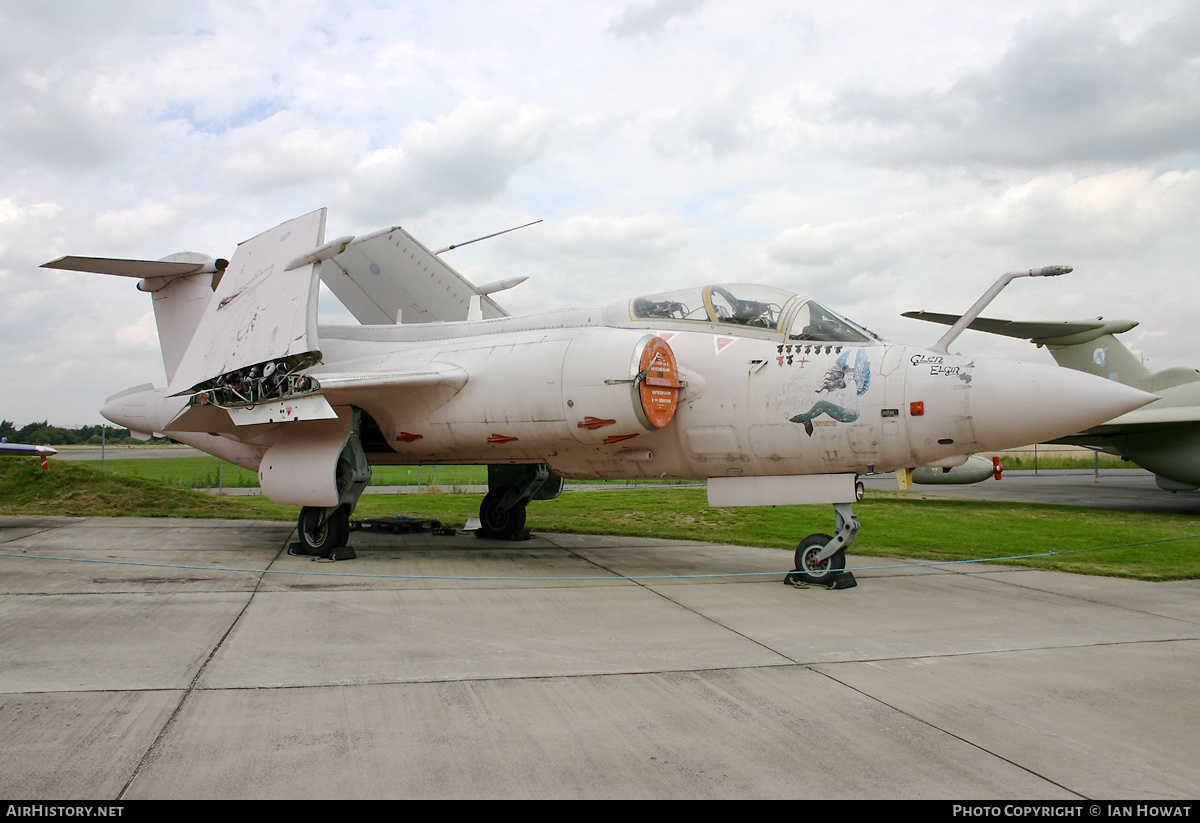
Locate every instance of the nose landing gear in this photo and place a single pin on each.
(821, 559)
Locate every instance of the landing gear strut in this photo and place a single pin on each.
(821, 559)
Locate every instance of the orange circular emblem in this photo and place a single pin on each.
(659, 382)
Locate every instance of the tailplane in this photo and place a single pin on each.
(181, 285)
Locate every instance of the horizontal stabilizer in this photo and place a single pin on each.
(389, 277)
(125, 268)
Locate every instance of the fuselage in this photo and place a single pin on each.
(765, 383)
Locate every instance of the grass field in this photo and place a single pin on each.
(203, 473)
(1146, 546)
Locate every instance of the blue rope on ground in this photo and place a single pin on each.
(594, 579)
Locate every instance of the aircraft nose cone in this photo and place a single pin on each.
(1015, 404)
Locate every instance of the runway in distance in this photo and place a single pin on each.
(769, 396)
(1162, 437)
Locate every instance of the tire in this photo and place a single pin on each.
(319, 539)
(496, 523)
(822, 573)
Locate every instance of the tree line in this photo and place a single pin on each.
(43, 434)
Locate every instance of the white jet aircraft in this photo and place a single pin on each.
(769, 396)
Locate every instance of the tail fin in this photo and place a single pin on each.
(181, 285)
(216, 318)
(1102, 355)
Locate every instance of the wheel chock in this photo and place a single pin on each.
(843, 580)
(839, 580)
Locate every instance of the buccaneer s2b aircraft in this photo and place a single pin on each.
(771, 397)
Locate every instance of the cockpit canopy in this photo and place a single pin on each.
(755, 307)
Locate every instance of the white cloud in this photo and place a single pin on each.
(463, 157)
(284, 151)
(1122, 212)
(140, 335)
(1068, 89)
(651, 17)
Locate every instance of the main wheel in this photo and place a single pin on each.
(496, 523)
(319, 539)
(812, 571)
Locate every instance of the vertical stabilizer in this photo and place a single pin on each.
(179, 305)
(1104, 356)
(181, 285)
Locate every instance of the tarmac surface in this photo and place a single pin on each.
(1126, 489)
(148, 658)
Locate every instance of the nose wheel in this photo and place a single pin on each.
(821, 559)
(812, 569)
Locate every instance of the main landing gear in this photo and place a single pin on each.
(821, 559)
(322, 531)
(502, 513)
(325, 530)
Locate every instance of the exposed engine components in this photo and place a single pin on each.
(260, 383)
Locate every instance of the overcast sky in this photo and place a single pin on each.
(879, 157)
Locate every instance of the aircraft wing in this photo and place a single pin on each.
(1040, 332)
(1149, 418)
(388, 277)
(263, 310)
(16, 449)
